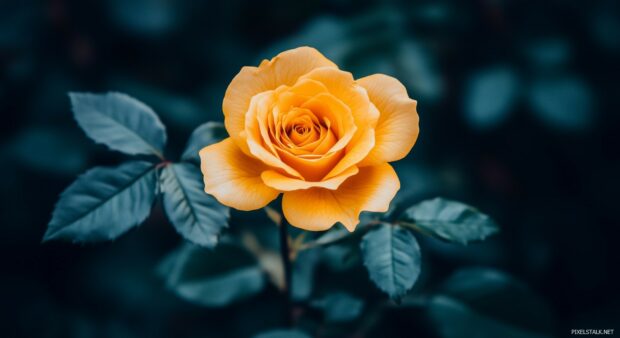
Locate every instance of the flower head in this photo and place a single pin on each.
(300, 126)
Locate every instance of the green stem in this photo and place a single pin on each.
(360, 231)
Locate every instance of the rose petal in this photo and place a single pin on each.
(256, 133)
(342, 85)
(315, 209)
(397, 129)
(284, 183)
(356, 151)
(327, 106)
(283, 69)
(233, 178)
(311, 167)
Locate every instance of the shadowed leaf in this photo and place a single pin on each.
(206, 134)
(212, 278)
(340, 307)
(565, 103)
(472, 302)
(489, 97)
(283, 333)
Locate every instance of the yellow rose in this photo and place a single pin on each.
(300, 126)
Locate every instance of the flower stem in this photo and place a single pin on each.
(285, 253)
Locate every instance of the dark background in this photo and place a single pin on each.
(518, 103)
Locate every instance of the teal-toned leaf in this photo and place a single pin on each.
(565, 103)
(340, 307)
(473, 302)
(198, 217)
(283, 333)
(104, 203)
(206, 134)
(450, 220)
(548, 53)
(490, 96)
(212, 278)
(145, 18)
(37, 148)
(303, 274)
(392, 256)
(120, 122)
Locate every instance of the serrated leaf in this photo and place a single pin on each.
(472, 302)
(392, 256)
(120, 122)
(104, 203)
(340, 307)
(198, 217)
(283, 333)
(450, 220)
(206, 134)
(212, 278)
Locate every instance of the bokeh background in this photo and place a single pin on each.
(518, 102)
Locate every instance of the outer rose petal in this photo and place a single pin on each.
(397, 129)
(234, 178)
(284, 183)
(284, 69)
(317, 209)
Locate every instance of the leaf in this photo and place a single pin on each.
(104, 203)
(392, 256)
(304, 269)
(212, 278)
(37, 148)
(120, 122)
(450, 220)
(340, 307)
(565, 103)
(206, 134)
(472, 302)
(419, 71)
(490, 96)
(198, 217)
(283, 333)
(145, 18)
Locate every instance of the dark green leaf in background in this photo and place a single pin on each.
(303, 274)
(120, 122)
(104, 203)
(283, 333)
(204, 135)
(38, 148)
(340, 307)
(392, 256)
(489, 97)
(212, 278)
(480, 302)
(565, 103)
(194, 214)
(450, 220)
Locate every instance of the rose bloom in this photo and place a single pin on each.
(301, 127)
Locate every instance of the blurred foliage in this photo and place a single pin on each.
(538, 153)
